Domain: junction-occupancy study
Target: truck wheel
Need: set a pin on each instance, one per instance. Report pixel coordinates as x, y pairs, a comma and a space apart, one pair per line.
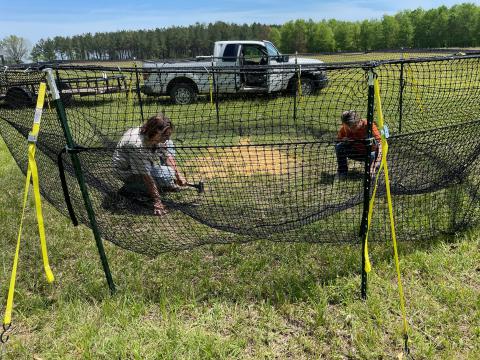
308, 88
18, 97
183, 94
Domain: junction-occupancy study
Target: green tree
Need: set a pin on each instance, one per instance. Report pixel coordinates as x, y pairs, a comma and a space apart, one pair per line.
366, 36
294, 37
44, 50
462, 24
405, 31
421, 29
15, 48
390, 30
344, 36
324, 38
439, 27
274, 36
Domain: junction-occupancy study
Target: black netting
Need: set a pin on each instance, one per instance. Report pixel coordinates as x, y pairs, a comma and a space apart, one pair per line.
257, 145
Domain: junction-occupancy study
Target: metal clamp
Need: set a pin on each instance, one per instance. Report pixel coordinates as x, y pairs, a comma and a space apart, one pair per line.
32, 139
371, 77
385, 132
52, 85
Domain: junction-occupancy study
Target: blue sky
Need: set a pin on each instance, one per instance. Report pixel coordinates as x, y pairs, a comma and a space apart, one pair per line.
34, 20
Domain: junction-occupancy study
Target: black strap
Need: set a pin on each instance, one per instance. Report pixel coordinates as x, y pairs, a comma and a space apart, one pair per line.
63, 180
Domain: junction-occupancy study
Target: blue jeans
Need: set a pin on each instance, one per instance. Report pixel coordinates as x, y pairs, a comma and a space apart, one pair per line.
163, 175
345, 150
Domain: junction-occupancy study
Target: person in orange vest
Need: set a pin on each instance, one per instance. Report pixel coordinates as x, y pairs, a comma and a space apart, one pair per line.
351, 143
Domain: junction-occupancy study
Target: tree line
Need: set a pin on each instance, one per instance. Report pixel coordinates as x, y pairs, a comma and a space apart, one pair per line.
457, 26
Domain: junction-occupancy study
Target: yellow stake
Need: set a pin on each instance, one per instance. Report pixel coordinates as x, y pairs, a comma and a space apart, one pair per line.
384, 167
32, 173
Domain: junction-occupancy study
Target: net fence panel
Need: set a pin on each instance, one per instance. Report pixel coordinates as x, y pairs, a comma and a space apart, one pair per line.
258, 143
423, 95
390, 54
16, 120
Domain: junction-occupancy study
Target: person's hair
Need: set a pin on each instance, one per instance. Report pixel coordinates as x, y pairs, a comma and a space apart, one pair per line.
350, 117
157, 123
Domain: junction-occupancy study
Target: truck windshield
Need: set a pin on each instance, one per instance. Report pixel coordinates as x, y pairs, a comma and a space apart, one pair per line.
272, 50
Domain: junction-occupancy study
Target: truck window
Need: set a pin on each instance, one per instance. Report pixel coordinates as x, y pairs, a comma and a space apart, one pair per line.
254, 55
230, 53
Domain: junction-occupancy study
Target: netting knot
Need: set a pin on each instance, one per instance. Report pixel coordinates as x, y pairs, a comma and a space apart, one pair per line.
4, 335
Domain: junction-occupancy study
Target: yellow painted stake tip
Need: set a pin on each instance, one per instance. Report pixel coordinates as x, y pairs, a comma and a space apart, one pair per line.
49, 274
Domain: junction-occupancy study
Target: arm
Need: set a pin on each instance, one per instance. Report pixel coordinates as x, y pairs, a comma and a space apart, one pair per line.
375, 164
158, 207
342, 134
180, 178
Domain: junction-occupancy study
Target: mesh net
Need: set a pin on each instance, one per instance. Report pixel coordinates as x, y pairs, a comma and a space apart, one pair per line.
258, 146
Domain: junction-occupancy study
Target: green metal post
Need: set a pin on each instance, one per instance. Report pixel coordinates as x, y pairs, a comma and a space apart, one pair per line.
295, 91
80, 178
400, 102
139, 93
215, 88
367, 178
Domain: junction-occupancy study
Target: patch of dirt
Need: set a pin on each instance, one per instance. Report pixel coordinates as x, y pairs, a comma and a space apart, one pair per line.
243, 160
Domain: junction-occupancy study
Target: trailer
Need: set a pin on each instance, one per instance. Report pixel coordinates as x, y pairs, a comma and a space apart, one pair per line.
21, 92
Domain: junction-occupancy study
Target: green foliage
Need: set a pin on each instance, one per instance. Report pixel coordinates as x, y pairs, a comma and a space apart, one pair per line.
441, 27
405, 31
294, 37
15, 48
323, 39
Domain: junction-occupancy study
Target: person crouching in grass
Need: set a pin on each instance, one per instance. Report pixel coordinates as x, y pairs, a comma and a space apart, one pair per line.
145, 158
351, 143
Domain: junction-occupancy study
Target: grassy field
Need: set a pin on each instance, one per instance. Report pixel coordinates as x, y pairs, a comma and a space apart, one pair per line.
257, 300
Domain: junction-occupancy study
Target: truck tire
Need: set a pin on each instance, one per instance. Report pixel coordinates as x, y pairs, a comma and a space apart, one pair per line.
18, 97
183, 94
308, 87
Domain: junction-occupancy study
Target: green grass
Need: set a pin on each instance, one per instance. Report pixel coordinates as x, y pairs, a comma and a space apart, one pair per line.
257, 300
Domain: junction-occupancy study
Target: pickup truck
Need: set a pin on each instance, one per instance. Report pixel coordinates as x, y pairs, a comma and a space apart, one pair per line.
239, 66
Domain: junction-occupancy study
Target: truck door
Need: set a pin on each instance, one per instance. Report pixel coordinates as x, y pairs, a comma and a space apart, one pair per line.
228, 77
253, 72
276, 74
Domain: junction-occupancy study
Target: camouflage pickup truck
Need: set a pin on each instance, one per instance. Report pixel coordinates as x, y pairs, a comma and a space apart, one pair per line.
240, 67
